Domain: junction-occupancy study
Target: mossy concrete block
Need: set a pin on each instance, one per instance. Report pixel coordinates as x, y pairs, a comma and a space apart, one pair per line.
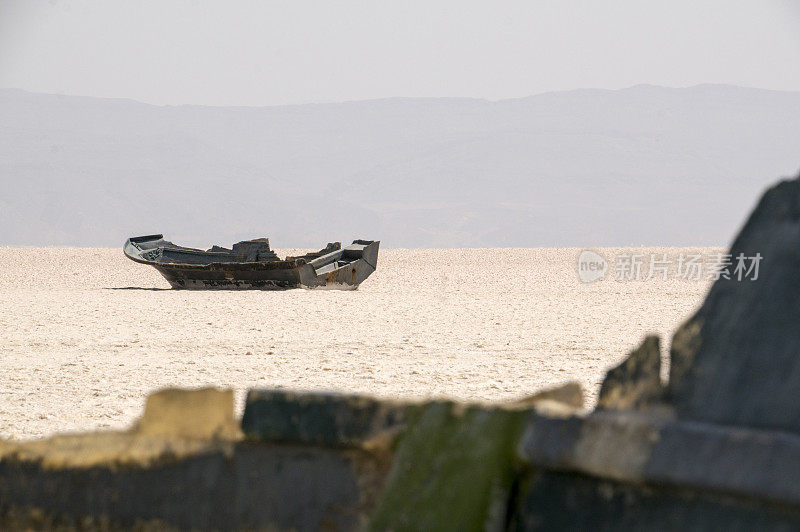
453, 469
327, 419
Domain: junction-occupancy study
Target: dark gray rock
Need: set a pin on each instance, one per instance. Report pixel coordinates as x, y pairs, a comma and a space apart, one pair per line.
737, 360
641, 448
257, 487
611, 444
329, 419
563, 501
714, 458
636, 382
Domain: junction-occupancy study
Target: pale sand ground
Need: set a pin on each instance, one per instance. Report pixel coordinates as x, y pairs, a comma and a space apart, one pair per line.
82, 344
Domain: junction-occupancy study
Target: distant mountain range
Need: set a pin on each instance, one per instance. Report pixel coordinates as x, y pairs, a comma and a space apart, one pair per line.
644, 165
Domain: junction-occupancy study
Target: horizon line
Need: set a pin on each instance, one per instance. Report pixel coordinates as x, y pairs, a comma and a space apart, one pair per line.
400, 98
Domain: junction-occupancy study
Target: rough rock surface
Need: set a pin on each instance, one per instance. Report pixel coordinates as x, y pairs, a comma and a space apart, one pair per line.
263, 487
737, 360
636, 382
569, 394
564, 501
331, 419
176, 424
205, 413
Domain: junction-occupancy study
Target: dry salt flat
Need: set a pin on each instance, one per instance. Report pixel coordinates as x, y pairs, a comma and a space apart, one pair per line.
87, 334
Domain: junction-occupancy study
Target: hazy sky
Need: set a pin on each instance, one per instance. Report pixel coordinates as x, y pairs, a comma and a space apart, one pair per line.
268, 53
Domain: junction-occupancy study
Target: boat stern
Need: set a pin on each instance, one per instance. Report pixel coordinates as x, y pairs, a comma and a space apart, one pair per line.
343, 269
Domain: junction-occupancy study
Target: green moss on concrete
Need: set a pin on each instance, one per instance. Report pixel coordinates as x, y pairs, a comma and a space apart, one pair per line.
453, 470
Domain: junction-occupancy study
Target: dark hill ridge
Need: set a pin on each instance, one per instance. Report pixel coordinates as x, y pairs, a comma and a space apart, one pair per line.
643, 165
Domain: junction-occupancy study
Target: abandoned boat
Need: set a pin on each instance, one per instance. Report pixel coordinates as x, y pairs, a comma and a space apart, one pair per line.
251, 264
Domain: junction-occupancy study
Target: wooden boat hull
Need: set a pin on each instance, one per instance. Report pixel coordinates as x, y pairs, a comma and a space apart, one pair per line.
222, 269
